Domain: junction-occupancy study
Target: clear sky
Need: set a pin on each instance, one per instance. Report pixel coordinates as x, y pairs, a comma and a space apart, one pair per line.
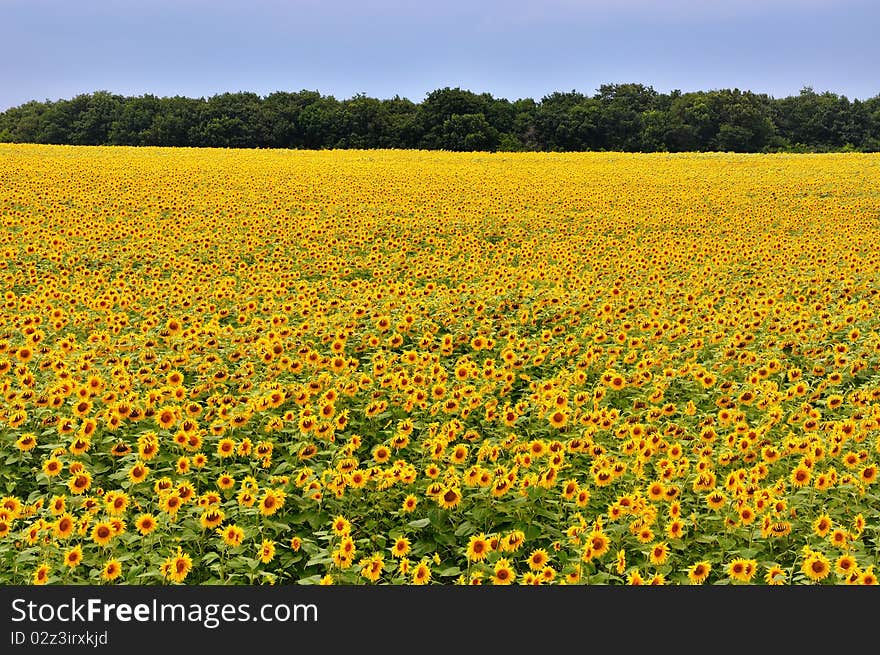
51, 49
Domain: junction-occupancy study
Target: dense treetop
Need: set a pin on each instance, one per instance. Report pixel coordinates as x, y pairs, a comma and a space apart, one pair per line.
620, 117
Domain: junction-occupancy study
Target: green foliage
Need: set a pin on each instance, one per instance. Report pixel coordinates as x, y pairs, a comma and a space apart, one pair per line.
620, 117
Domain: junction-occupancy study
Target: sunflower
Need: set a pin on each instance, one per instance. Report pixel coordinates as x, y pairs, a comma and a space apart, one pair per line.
225, 447
558, 418
176, 567
675, 529
26, 442
775, 575
512, 541
816, 566
822, 525
171, 503
868, 577
716, 500
644, 534
598, 542
421, 574
477, 548
267, 551
41, 574
503, 573
634, 578
449, 497
409, 503
145, 524
80, 482
102, 534
271, 502
741, 569
112, 569
64, 526
800, 476
212, 518
116, 502
657, 580
73, 557
371, 567
401, 547
659, 553
459, 454
138, 472
698, 572
538, 559
839, 538
619, 562
341, 526
845, 565
859, 524
656, 491
52, 467
381, 454
232, 535
166, 417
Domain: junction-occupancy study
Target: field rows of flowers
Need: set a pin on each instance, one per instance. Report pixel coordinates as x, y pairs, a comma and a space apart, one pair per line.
270, 367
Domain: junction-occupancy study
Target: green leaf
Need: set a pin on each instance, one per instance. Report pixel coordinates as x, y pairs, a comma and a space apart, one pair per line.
466, 528
318, 559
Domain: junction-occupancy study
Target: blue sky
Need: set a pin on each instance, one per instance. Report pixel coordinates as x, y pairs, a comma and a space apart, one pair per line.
54, 49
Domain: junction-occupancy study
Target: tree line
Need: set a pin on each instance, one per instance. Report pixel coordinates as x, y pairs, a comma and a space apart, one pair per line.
620, 117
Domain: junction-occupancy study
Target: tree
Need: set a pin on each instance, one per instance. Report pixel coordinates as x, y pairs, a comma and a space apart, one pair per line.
468, 132
133, 121
93, 118
626, 117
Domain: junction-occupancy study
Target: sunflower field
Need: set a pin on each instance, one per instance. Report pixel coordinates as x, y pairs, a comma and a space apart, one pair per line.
410, 367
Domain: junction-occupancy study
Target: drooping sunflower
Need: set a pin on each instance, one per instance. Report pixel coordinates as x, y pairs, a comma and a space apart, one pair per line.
211, 518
